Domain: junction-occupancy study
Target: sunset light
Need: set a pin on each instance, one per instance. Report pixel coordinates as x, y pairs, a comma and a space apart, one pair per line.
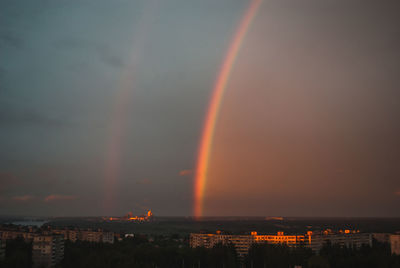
199, 134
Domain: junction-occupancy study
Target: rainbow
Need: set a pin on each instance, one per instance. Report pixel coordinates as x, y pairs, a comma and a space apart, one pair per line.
211, 118
114, 153
120, 112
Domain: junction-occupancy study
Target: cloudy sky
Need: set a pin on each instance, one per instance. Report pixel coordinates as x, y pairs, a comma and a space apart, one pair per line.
102, 104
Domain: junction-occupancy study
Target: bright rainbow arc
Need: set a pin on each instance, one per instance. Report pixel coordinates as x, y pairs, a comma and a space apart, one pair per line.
215, 104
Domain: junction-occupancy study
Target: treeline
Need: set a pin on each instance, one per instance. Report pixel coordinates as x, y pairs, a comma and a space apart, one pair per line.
267, 255
330, 256
379, 255
169, 252
18, 254
136, 252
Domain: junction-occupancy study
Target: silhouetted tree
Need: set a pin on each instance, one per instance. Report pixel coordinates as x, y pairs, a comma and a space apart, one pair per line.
18, 254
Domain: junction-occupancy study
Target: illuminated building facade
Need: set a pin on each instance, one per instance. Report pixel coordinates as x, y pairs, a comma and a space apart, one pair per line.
280, 238
130, 217
243, 243
395, 243
47, 250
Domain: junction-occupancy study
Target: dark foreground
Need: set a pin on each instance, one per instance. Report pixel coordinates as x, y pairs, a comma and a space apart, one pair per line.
164, 243
171, 252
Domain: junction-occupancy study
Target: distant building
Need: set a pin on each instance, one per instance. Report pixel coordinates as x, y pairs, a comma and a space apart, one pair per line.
349, 240
95, 236
47, 250
91, 236
2, 249
381, 237
242, 243
63, 232
11, 234
108, 237
130, 217
280, 238
73, 235
395, 243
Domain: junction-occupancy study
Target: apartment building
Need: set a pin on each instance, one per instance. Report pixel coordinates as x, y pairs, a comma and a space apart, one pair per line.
381, 237
8, 234
349, 240
91, 236
243, 243
73, 235
395, 243
96, 236
47, 250
108, 237
281, 238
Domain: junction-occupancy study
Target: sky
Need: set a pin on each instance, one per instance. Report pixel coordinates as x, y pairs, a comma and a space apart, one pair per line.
102, 105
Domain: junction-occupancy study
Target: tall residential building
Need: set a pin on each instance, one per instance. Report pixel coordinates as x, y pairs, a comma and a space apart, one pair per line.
47, 250
395, 243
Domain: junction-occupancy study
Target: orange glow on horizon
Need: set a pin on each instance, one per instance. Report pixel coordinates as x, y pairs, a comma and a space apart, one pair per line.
214, 107
130, 217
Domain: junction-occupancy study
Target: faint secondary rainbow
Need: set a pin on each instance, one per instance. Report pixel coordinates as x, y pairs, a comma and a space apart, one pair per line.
121, 108
211, 118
